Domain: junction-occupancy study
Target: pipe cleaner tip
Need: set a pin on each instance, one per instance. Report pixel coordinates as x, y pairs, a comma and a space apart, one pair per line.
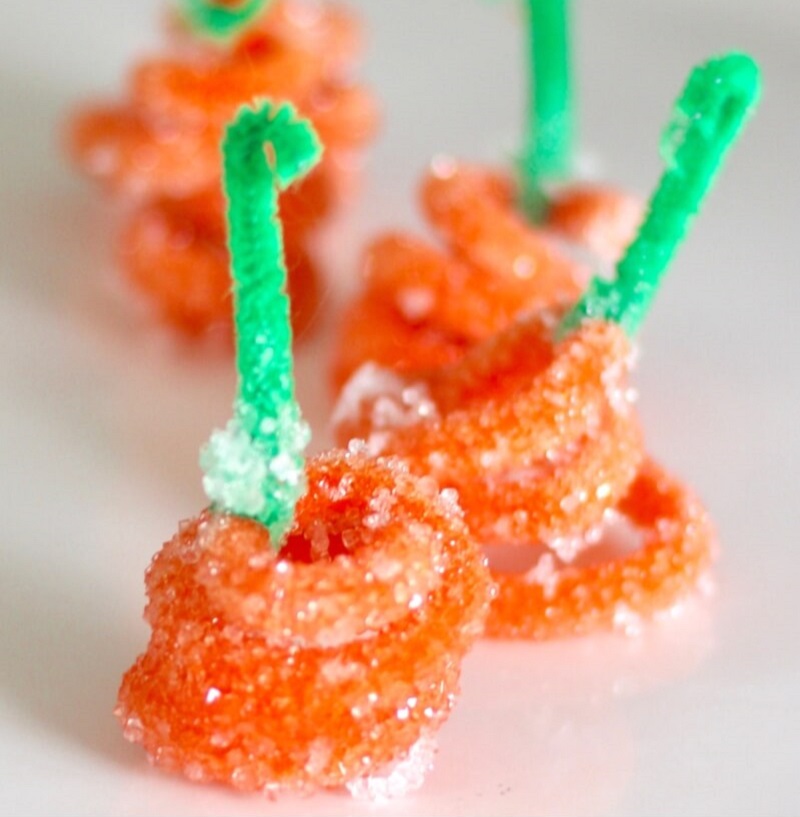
255, 467
716, 102
218, 20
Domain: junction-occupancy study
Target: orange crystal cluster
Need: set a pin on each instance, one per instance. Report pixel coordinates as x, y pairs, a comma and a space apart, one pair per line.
537, 435
159, 148
423, 306
323, 664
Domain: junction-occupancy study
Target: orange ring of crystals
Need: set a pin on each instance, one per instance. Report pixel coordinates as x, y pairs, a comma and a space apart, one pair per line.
554, 419
164, 141
140, 157
349, 675
678, 547
175, 250
330, 30
495, 268
208, 92
161, 148
474, 209
373, 332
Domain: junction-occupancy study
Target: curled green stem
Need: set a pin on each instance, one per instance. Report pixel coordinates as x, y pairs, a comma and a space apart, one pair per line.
255, 467
547, 150
708, 117
222, 21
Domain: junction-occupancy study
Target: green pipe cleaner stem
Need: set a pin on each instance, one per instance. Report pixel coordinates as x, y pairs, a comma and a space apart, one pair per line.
255, 466
708, 117
547, 150
221, 21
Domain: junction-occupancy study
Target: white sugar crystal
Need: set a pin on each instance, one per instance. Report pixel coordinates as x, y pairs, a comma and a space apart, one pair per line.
284, 467
357, 448
571, 502
391, 402
400, 779
319, 755
337, 670
603, 491
133, 729
381, 506
671, 613
415, 302
318, 536
566, 547
345, 485
385, 569
620, 396
194, 771
545, 573
418, 398
626, 620
415, 602
367, 383
449, 498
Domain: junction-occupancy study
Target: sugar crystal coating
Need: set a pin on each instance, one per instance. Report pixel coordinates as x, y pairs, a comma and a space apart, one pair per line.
537, 439
677, 549
160, 148
473, 209
176, 250
423, 306
540, 442
323, 664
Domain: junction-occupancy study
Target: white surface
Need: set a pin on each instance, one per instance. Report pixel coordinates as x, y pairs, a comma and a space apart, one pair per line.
101, 418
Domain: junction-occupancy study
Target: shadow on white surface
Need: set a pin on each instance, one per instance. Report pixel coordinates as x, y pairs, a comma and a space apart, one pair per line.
64, 649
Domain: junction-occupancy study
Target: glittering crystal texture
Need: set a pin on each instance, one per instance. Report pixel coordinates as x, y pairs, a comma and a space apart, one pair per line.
532, 428
158, 148
538, 439
424, 306
323, 664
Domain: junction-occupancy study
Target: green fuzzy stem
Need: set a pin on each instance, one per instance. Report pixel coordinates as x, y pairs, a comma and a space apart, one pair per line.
708, 117
547, 150
221, 21
255, 467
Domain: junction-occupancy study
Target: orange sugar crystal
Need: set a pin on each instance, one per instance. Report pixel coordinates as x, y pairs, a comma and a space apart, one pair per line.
324, 664
176, 250
538, 439
677, 548
373, 332
160, 148
474, 210
541, 444
430, 304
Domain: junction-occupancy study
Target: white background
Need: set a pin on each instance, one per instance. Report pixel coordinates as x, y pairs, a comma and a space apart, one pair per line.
101, 416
